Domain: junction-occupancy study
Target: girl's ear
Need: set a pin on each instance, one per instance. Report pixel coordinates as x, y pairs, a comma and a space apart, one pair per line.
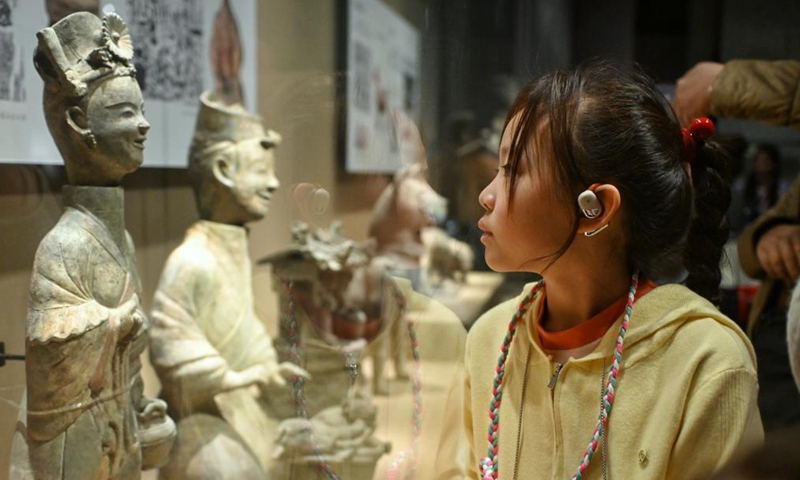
609, 200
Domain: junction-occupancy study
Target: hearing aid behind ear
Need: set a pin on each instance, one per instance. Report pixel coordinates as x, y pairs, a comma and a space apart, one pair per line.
589, 204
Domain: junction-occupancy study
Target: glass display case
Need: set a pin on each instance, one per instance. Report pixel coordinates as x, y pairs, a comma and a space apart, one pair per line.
240, 237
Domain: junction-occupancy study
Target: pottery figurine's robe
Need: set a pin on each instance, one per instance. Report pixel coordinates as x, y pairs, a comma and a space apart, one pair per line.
205, 325
204, 321
85, 330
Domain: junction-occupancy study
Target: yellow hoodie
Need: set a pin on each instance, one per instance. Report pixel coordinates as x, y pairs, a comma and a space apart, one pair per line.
685, 398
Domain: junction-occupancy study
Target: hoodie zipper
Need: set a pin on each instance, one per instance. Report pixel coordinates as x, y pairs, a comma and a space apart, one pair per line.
553, 379
552, 385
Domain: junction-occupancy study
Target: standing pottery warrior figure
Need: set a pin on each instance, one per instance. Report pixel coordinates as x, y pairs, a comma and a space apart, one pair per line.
209, 348
86, 416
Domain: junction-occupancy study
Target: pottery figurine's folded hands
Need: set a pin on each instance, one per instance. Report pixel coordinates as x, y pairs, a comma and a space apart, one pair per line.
128, 317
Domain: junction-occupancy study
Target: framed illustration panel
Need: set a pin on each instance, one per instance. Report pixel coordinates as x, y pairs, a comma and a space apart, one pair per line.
382, 99
172, 40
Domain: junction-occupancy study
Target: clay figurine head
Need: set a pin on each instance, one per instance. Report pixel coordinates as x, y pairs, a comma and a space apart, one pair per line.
92, 102
232, 163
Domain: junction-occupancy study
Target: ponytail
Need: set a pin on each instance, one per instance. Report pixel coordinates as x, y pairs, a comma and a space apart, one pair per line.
710, 227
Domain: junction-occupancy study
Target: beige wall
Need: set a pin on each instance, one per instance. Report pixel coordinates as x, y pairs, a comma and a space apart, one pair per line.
297, 85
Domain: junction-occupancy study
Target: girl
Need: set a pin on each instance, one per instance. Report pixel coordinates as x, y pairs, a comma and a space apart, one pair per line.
602, 193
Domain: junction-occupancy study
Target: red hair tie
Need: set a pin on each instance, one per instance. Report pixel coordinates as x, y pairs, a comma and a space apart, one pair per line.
700, 130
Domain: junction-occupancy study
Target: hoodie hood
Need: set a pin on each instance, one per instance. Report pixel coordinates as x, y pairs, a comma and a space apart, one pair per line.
686, 394
654, 320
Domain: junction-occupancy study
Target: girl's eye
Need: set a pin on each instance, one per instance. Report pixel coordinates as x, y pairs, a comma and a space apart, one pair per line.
128, 114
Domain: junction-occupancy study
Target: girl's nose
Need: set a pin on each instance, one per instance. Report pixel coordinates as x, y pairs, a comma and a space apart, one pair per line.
486, 199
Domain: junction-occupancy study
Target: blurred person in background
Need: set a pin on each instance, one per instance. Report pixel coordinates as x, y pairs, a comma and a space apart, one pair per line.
746, 89
763, 186
769, 247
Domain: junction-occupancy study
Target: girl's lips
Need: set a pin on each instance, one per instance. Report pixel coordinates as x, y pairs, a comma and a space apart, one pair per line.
486, 233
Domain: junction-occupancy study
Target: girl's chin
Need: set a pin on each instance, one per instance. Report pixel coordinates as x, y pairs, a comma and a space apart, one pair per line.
496, 264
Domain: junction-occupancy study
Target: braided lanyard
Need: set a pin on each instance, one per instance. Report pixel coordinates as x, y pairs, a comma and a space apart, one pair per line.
291, 331
489, 464
407, 459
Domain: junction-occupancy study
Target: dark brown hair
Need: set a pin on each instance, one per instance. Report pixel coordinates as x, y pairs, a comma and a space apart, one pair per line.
607, 123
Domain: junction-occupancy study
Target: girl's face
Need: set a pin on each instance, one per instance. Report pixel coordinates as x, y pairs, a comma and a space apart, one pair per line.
520, 232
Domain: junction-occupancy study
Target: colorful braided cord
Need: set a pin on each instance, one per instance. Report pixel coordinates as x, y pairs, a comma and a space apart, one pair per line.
291, 332
408, 458
608, 395
489, 464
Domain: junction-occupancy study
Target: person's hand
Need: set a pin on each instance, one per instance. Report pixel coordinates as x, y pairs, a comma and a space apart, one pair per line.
693, 92
778, 252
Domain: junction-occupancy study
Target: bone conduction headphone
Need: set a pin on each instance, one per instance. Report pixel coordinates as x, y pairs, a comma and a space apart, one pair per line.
589, 204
